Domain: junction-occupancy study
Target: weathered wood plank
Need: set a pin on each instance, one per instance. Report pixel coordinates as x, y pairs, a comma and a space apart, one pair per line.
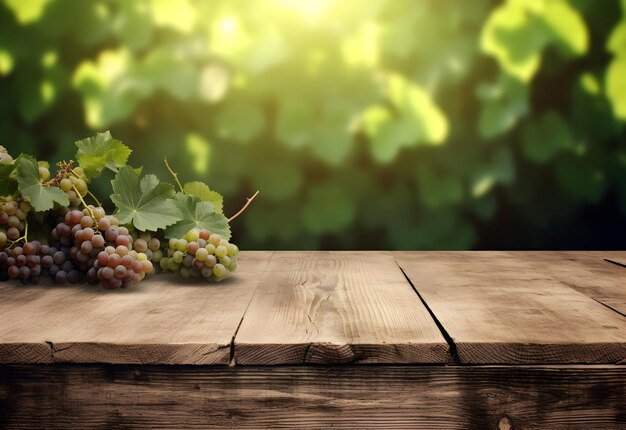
585, 271
164, 320
498, 308
421, 397
337, 307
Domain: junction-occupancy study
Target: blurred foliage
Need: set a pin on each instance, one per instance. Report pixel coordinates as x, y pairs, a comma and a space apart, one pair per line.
379, 124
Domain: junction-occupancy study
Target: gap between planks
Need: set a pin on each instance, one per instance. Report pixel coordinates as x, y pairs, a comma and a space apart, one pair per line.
232, 361
451, 345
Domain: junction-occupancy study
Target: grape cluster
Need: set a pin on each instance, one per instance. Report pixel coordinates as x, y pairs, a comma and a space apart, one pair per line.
74, 185
98, 250
13, 215
119, 267
149, 244
200, 254
23, 262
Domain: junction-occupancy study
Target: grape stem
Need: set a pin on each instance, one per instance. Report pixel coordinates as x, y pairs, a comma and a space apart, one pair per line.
24, 238
88, 192
249, 200
93, 217
174, 175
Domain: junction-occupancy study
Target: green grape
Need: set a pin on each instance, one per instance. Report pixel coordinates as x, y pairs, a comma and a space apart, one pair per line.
65, 184
192, 235
44, 173
25, 206
157, 256
79, 172
221, 251
210, 261
185, 272
182, 245
219, 270
178, 257
215, 239
173, 265
202, 254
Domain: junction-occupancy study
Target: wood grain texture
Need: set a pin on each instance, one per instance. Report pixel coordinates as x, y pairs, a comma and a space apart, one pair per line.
164, 320
417, 397
498, 308
337, 307
588, 272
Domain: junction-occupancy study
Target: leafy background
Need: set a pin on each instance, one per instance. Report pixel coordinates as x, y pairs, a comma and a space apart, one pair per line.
365, 124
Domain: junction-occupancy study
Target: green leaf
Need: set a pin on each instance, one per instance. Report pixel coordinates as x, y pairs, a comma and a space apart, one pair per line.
177, 14
240, 122
416, 105
616, 86
544, 138
147, 204
293, 125
517, 32
566, 27
196, 213
200, 151
332, 144
332, 140
515, 39
205, 194
437, 189
8, 185
328, 210
617, 41
40, 197
101, 151
505, 102
27, 11
418, 120
278, 179
387, 135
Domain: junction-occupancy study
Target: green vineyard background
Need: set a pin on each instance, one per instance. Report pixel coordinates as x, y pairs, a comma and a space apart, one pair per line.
365, 124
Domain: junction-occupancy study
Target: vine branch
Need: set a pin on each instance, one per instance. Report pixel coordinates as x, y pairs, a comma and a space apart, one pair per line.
174, 175
249, 200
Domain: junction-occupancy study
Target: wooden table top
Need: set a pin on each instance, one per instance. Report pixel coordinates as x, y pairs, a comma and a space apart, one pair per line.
331, 307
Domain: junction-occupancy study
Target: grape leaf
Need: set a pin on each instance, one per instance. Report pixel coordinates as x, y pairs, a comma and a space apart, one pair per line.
29, 183
204, 193
148, 203
545, 137
196, 213
7, 184
100, 151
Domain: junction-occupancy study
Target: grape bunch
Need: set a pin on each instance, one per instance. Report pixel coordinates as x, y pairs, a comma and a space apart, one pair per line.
22, 262
200, 254
97, 249
119, 267
48, 230
73, 182
13, 215
150, 244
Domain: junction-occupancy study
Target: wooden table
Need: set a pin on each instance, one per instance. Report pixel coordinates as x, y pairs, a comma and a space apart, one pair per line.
502, 340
